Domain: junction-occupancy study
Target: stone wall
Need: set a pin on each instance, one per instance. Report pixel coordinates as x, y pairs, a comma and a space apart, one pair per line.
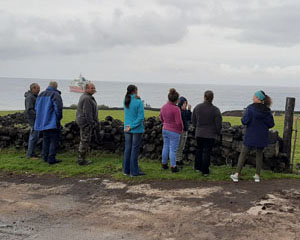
110, 137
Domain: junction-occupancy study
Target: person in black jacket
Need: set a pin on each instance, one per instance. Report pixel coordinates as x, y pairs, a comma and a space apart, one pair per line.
258, 118
87, 120
207, 119
186, 116
30, 99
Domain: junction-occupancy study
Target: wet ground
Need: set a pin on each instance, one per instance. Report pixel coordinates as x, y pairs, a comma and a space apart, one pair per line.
47, 207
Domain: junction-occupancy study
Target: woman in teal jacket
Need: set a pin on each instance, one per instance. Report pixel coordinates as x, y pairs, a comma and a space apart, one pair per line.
134, 129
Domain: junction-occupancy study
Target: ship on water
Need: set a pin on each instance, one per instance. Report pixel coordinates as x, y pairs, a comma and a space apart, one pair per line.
78, 85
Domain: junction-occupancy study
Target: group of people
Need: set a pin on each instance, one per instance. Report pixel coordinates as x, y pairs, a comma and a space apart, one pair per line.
176, 117
44, 113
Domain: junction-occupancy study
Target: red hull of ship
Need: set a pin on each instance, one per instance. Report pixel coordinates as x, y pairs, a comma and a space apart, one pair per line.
76, 89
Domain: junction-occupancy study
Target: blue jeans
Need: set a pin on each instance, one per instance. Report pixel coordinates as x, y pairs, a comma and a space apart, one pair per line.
50, 144
33, 139
171, 142
131, 153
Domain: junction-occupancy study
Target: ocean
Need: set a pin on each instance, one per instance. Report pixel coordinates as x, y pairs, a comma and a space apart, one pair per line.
227, 97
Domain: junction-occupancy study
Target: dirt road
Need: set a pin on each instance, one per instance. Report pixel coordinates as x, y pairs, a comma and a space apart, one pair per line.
52, 208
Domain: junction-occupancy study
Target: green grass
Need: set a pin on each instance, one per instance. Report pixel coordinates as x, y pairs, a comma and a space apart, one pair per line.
279, 122
70, 114
3, 113
111, 165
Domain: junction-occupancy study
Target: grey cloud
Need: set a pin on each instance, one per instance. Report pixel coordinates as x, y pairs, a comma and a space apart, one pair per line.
277, 26
260, 21
187, 4
149, 29
30, 35
274, 25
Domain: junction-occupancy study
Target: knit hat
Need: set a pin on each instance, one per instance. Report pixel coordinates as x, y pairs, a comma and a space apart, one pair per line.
181, 101
260, 95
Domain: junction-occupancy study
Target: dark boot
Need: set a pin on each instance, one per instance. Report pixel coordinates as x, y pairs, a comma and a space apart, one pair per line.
81, 158
165, 166
84, 163
174, 169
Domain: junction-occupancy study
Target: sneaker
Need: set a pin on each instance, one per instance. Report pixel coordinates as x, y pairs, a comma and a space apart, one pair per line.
174, 169
234, 178
256, 178
126, 174
165, 166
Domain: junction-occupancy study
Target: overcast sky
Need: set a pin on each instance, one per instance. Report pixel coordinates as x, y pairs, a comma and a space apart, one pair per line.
253, 42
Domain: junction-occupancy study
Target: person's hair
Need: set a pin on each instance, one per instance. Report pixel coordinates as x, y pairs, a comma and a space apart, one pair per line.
53, 84
33, 85
173, 95
208, 96
130, 90
267, 101
87, 85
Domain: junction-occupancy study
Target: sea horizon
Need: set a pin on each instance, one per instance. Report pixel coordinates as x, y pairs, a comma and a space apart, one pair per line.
150, 82
227, 97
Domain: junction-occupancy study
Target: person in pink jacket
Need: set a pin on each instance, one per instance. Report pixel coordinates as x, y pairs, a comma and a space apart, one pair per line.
170, 116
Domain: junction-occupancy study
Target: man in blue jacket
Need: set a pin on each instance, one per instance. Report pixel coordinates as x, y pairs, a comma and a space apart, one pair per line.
49, 108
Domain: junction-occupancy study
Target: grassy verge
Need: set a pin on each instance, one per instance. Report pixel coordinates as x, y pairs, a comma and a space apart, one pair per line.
111, 165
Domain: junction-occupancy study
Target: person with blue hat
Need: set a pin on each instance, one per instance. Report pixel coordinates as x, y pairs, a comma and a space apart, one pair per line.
186, 116
258, 119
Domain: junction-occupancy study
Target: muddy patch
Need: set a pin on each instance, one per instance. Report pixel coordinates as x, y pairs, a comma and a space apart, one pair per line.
171, 194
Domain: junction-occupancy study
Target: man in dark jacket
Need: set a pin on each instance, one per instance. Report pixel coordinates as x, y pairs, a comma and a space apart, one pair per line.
49, 108
87, 120
186, 116
30, 99
208, 122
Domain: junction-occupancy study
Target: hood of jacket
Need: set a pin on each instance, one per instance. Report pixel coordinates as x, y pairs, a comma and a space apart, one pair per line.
29, 93
259, 110
53, 89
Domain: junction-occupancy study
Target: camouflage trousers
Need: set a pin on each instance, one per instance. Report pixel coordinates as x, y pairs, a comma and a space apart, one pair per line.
181, 146
85, 140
